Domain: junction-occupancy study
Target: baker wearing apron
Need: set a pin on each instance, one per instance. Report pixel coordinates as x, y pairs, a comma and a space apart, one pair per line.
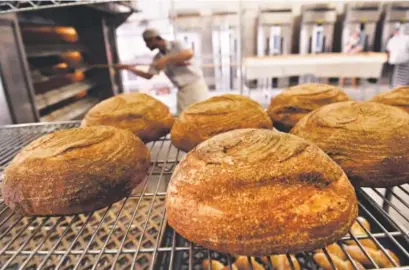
179, 67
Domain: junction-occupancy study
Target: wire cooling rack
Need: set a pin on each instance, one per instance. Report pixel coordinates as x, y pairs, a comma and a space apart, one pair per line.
133, 233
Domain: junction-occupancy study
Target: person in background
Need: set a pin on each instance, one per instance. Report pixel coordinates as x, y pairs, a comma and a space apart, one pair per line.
178, 64
398, 55
356, 44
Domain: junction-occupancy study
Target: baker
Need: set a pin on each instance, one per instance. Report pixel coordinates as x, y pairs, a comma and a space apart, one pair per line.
178, 64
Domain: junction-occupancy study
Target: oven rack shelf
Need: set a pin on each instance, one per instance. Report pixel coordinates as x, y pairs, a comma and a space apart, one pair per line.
72, 111
133, 233
54, 96
30, 5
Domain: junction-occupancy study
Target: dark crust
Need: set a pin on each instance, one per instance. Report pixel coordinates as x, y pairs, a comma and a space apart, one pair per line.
258, 192
287, 108
147, 117
216, 115
368, 140
75, 171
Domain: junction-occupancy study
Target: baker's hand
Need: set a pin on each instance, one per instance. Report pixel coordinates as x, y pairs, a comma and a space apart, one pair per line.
160, 64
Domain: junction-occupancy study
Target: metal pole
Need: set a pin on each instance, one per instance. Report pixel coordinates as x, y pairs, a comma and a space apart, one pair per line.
241, 48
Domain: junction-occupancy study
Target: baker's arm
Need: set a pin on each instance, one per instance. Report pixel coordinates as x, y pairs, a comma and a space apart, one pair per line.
136, 71
175, 58
180, 57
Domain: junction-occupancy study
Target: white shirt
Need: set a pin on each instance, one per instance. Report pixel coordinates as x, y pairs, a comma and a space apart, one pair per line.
180, 75
398, 47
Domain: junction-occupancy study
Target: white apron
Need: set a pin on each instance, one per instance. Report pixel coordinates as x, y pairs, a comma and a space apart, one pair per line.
191, 93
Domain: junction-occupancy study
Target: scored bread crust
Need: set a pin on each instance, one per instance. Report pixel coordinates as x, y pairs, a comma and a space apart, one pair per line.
74, 171
368, 140
202, 120
147, 117
397, 97
292, 104
258, 192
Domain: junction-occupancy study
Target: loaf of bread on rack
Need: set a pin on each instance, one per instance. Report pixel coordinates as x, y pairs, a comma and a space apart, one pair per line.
215, 115
74, 171
258, 192
245, 263
356, 255
384, 259
368, 140
358, 229
356, 252
281, 262
215, 265
292, 104
398, 97
140, 113
330, 262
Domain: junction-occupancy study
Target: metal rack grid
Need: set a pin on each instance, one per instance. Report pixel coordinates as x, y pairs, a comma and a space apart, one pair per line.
133, 233
28, 5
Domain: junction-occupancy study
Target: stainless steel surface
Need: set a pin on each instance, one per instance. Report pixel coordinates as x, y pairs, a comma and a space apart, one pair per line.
396, 13
321, 16
276, 18
363, 12
5, 116
317, 34
14, 72
350, 27
367, 14
274, 37
226, 46
133, 233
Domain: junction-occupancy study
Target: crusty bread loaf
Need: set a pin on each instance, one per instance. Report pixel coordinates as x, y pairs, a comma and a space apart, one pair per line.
242, 263
281, 262
258, 192
287, 108
74, 171
334, 249
398, 97
322, 260
218, 114
357, 230
379, 256
215, 265
142, 114
368, 140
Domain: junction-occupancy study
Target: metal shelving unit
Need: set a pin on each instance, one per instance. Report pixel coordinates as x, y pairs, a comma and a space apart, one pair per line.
64, 92
72, 111
28, 5
133, 233
39, 36
50, 50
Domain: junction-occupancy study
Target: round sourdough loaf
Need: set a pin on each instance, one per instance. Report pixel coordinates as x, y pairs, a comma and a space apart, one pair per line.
218, 114
74, 171
258, 192
140, 113
368, 140
292, 104
398, 97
